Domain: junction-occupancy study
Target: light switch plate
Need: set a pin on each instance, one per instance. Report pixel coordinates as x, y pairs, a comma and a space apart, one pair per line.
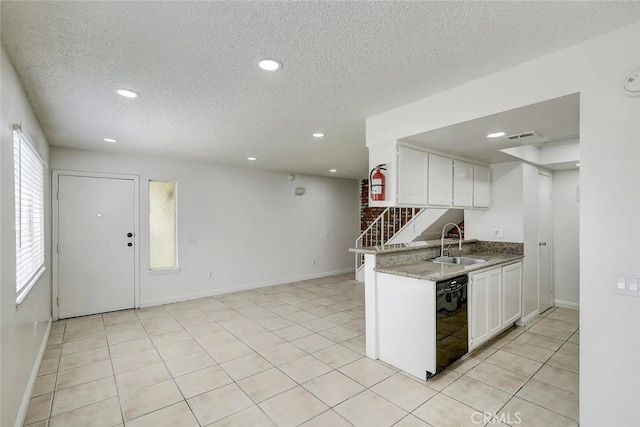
627, 285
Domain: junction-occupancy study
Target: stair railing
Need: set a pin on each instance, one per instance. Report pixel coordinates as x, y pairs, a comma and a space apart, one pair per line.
383, 228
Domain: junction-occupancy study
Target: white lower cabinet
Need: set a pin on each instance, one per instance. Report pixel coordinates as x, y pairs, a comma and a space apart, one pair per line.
496, 296
486, 319
512, 294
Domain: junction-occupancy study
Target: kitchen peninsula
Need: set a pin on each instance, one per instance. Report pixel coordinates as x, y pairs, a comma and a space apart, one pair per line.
416, 309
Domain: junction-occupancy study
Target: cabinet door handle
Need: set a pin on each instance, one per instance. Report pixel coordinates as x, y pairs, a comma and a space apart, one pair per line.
542, 244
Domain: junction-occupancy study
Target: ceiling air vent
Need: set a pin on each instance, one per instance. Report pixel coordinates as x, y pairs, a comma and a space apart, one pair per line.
525, 136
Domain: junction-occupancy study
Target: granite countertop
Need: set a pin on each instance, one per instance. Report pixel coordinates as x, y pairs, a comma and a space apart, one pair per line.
401, 247
429, 270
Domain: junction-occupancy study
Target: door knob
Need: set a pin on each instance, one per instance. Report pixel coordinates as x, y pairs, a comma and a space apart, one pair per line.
542, 244
129, 244
129, 234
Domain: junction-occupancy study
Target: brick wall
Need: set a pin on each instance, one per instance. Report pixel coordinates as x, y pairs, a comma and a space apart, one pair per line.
367, 214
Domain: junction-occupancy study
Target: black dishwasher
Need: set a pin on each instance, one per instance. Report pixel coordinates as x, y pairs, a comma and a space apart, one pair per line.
452, 331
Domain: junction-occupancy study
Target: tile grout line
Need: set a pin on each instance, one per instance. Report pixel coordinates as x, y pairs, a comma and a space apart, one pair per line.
489, 385
53, 395
56, 385
257, 320
301, 385
277, 367
184, 399
234, 381
183, 328
530, 378
114, 377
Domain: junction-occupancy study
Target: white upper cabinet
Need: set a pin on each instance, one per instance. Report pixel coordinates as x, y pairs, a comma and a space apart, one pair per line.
462, 183
481, 186
412, 176
415, 177
440, 180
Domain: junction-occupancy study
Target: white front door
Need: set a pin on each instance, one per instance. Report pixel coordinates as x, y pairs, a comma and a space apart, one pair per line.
545, 242
96, 259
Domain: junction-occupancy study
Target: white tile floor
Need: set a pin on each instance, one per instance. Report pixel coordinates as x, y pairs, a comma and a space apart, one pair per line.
291, 355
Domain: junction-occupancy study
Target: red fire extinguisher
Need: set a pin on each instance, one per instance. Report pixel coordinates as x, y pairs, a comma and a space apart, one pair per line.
376, 182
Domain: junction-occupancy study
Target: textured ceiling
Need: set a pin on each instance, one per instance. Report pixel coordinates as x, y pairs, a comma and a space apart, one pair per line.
203, 96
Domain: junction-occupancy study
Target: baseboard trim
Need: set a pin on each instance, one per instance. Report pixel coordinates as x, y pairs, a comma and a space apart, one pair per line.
26, 398
526, 320
566, 304
181, 298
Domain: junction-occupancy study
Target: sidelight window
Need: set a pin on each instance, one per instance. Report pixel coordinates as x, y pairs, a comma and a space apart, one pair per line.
163, 253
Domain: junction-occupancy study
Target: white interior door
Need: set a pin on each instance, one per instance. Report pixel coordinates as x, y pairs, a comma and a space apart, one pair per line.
96, 259
545, 242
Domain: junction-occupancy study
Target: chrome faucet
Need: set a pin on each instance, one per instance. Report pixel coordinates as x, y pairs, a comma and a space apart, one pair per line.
442, 238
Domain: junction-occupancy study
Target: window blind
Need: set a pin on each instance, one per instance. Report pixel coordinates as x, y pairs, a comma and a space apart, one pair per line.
29, 205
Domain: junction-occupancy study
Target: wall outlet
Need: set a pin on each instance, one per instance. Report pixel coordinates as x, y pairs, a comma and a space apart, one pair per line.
313, 261
498, 232
210, 274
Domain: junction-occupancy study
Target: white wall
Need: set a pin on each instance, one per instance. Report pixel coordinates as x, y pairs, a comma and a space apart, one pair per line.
560, 152
19, 345
566, 237
506, 207
609, 151
514, 209
551, 153
249, 227
530, 197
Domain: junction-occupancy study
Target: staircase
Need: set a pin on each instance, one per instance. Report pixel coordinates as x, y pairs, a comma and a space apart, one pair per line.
401, 225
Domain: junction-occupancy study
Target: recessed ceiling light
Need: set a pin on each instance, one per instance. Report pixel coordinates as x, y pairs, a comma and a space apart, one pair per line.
333, 170
496, 135
318, 135
251, 158
127, 93
578, 165
110, 140
270, 64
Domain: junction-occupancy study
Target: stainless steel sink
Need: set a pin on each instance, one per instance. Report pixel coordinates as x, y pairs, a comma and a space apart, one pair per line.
458, 260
